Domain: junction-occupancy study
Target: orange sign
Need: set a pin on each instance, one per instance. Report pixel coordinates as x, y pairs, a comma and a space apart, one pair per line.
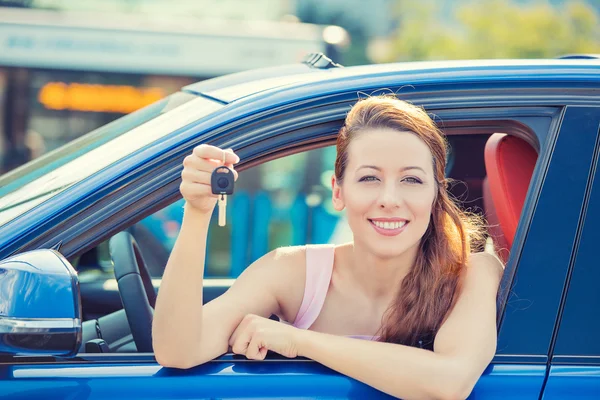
97, 98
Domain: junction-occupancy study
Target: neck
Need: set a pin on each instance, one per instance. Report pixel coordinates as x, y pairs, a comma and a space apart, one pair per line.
379, 278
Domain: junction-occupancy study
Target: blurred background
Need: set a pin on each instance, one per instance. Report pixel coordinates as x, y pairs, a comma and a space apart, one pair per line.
68, 67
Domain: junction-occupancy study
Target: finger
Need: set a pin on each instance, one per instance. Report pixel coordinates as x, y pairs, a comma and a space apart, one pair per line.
235, 174
211, 152
234, 336
196, 176
240, 346
256, 349
203, 164
230, 150
243, 331
239, 330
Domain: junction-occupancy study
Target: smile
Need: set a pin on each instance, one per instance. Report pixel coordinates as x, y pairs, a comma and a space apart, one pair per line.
389, 228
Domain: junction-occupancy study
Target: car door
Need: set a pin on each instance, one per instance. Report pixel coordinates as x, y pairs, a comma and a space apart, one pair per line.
575, 350
528, 318
535, 274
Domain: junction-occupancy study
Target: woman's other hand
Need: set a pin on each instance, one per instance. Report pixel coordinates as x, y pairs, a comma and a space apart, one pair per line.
256, 335
197, 170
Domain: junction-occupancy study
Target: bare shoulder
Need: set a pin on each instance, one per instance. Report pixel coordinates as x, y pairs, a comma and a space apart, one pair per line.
484, 268
277, 262
283, 271
283, 261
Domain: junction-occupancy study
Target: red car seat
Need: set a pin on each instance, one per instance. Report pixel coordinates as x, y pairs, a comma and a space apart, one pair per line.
509, 164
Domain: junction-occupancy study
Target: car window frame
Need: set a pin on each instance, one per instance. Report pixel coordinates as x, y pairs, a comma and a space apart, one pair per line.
480, 120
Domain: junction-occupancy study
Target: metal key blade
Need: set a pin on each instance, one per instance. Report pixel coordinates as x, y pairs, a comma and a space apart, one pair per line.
222, 209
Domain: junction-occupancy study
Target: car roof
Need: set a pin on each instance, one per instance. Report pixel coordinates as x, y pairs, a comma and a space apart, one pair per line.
233, 87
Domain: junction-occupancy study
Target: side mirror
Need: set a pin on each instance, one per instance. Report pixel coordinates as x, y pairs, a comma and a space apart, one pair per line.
40, 309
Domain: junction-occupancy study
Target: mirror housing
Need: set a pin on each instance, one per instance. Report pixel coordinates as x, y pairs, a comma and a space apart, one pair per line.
40, 307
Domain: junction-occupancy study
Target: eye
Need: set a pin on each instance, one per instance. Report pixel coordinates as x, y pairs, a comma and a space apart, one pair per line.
368, 178
413, 180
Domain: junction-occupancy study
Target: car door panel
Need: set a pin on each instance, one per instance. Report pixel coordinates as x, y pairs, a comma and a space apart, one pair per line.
576, 353
520, 367
580, 381
218, 379
515, 381
524, 336
238, 378
541, 267
229, 378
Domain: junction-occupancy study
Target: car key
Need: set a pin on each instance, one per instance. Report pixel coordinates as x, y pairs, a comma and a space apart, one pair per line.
221, 183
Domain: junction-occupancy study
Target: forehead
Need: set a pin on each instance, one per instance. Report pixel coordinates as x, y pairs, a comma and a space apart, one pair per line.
389, 148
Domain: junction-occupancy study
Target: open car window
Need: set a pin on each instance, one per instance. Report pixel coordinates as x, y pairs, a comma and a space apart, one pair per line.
287, 201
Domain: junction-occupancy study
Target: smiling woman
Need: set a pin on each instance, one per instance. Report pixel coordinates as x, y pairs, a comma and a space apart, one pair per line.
392, 160
407, 282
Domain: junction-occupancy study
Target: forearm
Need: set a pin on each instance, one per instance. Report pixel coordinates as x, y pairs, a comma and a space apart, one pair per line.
181, 290
401, 371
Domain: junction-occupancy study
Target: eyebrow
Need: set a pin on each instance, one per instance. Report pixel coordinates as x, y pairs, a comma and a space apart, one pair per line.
401, 169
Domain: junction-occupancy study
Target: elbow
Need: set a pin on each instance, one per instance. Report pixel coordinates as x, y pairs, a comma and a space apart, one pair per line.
170, 357
456, 389
168, 352
174, 363
454, 394
170, 360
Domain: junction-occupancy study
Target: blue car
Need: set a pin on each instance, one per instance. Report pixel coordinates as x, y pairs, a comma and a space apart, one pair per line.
85, 231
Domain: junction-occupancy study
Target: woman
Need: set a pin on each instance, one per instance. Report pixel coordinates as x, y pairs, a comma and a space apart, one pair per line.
408, 283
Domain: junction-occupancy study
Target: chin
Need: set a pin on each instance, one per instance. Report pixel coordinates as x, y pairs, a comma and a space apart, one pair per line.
388, 248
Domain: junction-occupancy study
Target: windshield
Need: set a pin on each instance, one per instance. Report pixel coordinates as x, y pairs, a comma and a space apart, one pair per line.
42, 178
35, 168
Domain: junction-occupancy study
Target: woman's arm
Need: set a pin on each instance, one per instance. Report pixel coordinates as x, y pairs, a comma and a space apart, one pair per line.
184, 332
464, 346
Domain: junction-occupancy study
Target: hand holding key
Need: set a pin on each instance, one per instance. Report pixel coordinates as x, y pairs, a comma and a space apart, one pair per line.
197, 172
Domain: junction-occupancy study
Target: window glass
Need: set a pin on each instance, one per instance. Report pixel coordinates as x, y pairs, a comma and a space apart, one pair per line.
64, 105
37, 181
90, 141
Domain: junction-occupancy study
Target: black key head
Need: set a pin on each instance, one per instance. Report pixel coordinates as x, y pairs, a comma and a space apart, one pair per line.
222, 180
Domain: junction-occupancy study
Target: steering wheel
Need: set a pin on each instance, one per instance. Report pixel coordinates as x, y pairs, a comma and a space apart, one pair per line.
135, 288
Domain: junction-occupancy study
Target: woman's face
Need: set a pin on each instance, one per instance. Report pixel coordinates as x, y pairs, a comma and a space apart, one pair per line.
387, 190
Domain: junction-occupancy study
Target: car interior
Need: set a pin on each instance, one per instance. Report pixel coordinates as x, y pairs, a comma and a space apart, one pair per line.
491, 174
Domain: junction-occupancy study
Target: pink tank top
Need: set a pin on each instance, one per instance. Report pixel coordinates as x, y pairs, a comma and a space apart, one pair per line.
319, 267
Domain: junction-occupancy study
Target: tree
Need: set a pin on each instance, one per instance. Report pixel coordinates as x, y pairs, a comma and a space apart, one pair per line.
494, 29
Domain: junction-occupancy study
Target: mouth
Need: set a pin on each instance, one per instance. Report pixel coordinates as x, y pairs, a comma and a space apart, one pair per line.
389, 227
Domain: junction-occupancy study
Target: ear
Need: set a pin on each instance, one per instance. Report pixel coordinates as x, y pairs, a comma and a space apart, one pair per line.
336, 195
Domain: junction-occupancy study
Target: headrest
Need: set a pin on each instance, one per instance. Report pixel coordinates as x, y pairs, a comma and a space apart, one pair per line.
509, 162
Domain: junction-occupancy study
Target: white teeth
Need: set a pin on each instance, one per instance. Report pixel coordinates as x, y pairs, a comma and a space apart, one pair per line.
389, 225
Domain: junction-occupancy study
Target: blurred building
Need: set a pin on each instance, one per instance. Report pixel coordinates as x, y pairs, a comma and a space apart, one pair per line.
66, 73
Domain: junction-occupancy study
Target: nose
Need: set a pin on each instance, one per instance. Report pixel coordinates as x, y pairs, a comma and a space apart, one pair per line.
390, 196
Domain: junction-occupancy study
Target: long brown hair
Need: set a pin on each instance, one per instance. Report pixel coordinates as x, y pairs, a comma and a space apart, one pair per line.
430, 289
